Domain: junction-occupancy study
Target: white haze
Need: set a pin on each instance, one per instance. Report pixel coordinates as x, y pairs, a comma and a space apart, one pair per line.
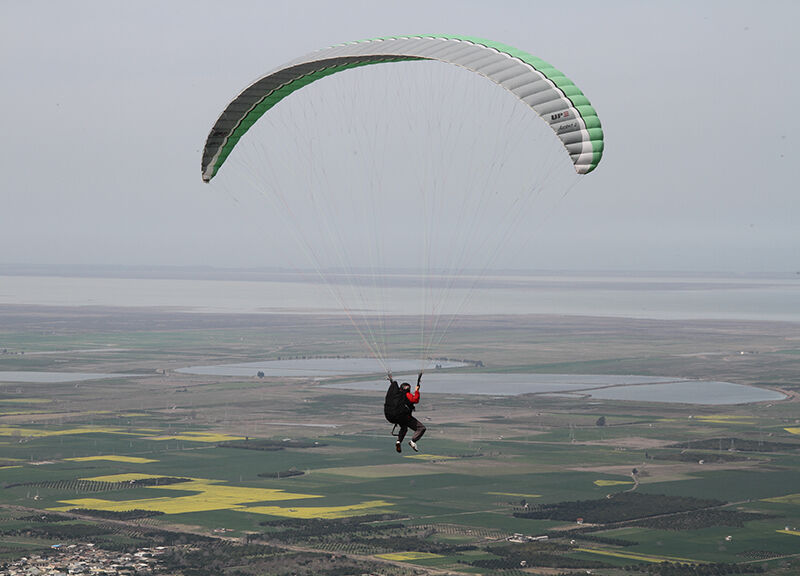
106, 106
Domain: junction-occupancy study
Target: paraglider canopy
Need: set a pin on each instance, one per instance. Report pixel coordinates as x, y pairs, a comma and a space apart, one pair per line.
547, 91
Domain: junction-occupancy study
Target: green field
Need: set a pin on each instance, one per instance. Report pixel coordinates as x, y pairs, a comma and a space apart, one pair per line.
152, 442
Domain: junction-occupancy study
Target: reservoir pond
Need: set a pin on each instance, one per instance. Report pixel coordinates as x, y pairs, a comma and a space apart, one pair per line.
443, 381
600, 387
315, 367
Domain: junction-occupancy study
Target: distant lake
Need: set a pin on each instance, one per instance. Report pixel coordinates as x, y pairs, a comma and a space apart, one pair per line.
313, 367
636, 296
602, 387
690, 392
54, 377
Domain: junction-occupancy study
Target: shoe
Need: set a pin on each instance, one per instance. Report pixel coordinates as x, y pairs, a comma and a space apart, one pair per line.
398, 446
413, 445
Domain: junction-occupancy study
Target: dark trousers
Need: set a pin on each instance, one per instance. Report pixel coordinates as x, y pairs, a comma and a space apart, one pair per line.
410, 422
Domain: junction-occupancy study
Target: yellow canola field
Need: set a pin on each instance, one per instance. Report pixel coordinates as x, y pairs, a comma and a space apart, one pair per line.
635, 556
788, 499
113, 458
39, 433
725, 419
191, 436
430, 457
165, 504
793, 430
611, 482
327, 512
209, 495
199, 437
123, 477
25, 400
792, 532
215, 495
407, 556
514, 494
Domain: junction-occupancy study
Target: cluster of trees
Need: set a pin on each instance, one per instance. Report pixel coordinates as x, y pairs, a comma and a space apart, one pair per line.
302, 527
114, 515
160, 481
539, 554
621, 507
62, 528
373, 534
354, 530
282, 474
71, 485
75, 485
268, 445
541, 560
697, 519
213, 558
740, 444
675, 569
151, 537
759, 554
707, 457
46, 517
598, 539
60, 531
418, 543
248, 559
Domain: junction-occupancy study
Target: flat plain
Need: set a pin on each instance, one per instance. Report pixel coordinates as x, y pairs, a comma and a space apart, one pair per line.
311, 472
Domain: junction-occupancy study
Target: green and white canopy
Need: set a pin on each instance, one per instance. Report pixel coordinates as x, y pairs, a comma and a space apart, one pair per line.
547, 91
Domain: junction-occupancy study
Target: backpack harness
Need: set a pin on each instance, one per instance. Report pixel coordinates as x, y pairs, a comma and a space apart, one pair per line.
395, 405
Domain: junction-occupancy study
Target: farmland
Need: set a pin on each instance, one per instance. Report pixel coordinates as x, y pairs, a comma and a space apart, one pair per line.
278, 473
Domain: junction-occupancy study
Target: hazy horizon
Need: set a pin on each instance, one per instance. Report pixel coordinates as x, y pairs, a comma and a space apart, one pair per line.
109, 105
245, 272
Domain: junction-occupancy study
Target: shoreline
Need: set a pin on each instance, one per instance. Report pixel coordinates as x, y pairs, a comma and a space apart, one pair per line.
733, 299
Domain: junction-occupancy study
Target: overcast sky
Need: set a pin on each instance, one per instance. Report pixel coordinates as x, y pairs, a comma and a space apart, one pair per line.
106, 105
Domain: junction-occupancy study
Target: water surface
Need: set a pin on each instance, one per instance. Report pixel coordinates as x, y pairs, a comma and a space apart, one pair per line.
314, 367
599, 386
690, 392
